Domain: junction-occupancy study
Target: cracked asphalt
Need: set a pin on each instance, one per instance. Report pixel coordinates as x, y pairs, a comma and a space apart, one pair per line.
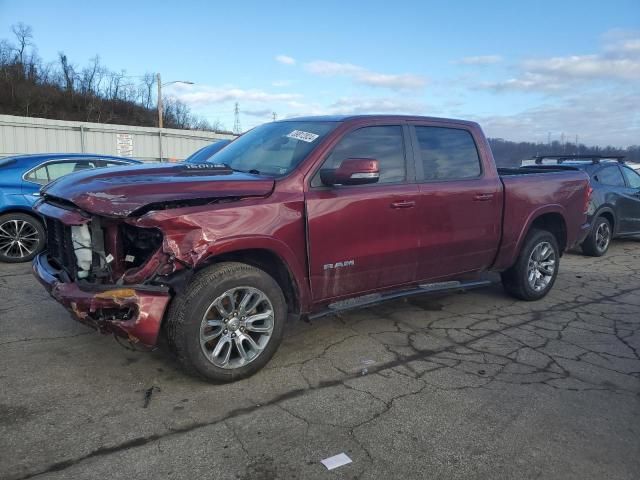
472, 385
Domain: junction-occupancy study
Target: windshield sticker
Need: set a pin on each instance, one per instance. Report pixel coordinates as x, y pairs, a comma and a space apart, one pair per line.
302, 135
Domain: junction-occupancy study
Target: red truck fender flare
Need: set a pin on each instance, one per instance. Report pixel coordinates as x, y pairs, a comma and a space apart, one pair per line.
510, 251
231, 245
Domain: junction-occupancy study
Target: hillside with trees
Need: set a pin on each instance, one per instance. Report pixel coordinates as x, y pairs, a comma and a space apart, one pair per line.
61, 90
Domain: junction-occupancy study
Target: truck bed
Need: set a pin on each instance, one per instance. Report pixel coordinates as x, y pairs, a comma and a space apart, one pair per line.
527, 196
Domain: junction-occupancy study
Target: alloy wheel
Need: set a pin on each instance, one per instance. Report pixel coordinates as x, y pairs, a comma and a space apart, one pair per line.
542, 266
237, 327
18, 239
603, 236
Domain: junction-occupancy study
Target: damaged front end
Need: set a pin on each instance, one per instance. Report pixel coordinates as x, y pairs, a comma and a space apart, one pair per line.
102, 270
121, 243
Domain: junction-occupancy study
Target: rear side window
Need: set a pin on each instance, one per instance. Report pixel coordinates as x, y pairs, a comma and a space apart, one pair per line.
447, 153
633, 179
609, 176
384, 144
39, 175
51, 171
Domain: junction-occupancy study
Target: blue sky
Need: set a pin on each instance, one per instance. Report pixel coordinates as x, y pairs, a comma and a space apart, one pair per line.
522, 69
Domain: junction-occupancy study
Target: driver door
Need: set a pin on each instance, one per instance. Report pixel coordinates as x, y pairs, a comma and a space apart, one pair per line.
363, 238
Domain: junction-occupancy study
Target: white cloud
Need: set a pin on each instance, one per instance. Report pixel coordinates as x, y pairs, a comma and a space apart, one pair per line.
527, 81
617, 62
595, 121
262, 113
285, 59
363, 76
359, 106
586, 67
481, 60
199, 95
281, 83
351, 105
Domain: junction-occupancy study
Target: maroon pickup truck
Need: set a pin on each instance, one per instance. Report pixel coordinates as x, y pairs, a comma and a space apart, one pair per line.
301, 217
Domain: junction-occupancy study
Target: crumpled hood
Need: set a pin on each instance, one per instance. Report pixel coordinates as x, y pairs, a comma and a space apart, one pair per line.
119, 191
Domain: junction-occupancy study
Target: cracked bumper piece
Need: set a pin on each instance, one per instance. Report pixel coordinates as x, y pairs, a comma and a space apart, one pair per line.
134, 311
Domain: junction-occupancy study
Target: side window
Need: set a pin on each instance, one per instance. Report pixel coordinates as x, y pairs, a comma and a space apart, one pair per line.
384, 144
447, 153
114, 164
610, 176
633, 179
39, 175
59, 169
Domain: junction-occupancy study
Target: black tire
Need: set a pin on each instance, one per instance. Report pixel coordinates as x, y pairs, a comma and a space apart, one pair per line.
29, 230
594, 245
516, 279
186, 316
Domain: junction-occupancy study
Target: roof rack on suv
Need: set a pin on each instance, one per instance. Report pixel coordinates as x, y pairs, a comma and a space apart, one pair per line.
595, 158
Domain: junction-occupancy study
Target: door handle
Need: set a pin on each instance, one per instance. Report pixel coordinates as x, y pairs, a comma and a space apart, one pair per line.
403, 204
483, 197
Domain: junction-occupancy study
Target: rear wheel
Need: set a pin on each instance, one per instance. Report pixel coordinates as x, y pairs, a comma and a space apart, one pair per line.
598, 241
22, 237
228, 323
536, 268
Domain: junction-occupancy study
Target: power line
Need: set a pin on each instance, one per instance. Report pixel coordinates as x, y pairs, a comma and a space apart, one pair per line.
236, 124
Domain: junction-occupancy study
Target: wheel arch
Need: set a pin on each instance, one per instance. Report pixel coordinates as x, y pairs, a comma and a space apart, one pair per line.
609, 214
270, 262
24, 211
553, 222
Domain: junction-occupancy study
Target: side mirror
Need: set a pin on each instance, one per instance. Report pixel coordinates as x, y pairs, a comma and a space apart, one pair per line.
352, 171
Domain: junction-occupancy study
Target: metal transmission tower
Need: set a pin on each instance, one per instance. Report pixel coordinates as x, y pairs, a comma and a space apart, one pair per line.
237, 129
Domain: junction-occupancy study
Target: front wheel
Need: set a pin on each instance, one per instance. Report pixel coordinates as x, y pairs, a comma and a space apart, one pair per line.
228, 323
22, 237
598, 241
536, 268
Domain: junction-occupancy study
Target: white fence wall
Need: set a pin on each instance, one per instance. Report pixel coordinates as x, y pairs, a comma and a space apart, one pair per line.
22, 135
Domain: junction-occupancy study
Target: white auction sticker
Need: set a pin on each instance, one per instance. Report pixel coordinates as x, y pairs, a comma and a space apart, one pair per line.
302, 135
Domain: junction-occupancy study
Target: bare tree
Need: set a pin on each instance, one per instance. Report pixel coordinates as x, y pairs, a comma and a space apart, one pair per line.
24, 36
68, 72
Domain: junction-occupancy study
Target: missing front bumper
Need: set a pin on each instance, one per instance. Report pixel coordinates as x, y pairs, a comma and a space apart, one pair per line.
132, 311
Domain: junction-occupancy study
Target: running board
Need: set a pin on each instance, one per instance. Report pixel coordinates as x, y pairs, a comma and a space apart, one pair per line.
374, 298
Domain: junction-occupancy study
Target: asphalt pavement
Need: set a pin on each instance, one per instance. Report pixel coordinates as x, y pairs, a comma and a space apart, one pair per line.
470, 385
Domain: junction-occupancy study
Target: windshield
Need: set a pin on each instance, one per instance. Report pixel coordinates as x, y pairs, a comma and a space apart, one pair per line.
273, 148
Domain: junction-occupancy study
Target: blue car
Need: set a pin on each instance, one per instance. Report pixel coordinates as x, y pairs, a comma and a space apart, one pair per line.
22, 233
205, 153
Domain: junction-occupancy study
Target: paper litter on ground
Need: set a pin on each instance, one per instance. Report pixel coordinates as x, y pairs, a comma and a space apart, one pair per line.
336, 461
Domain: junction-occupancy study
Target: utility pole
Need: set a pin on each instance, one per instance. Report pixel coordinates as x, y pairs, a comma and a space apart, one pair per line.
236, 124
159, 100
160, 85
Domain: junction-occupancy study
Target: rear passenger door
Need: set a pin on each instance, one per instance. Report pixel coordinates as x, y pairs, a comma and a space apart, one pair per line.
363, 237
611, 183
459, 211
630, 204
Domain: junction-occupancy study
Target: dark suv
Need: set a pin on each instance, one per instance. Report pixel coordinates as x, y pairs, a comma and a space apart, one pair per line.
614, 210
